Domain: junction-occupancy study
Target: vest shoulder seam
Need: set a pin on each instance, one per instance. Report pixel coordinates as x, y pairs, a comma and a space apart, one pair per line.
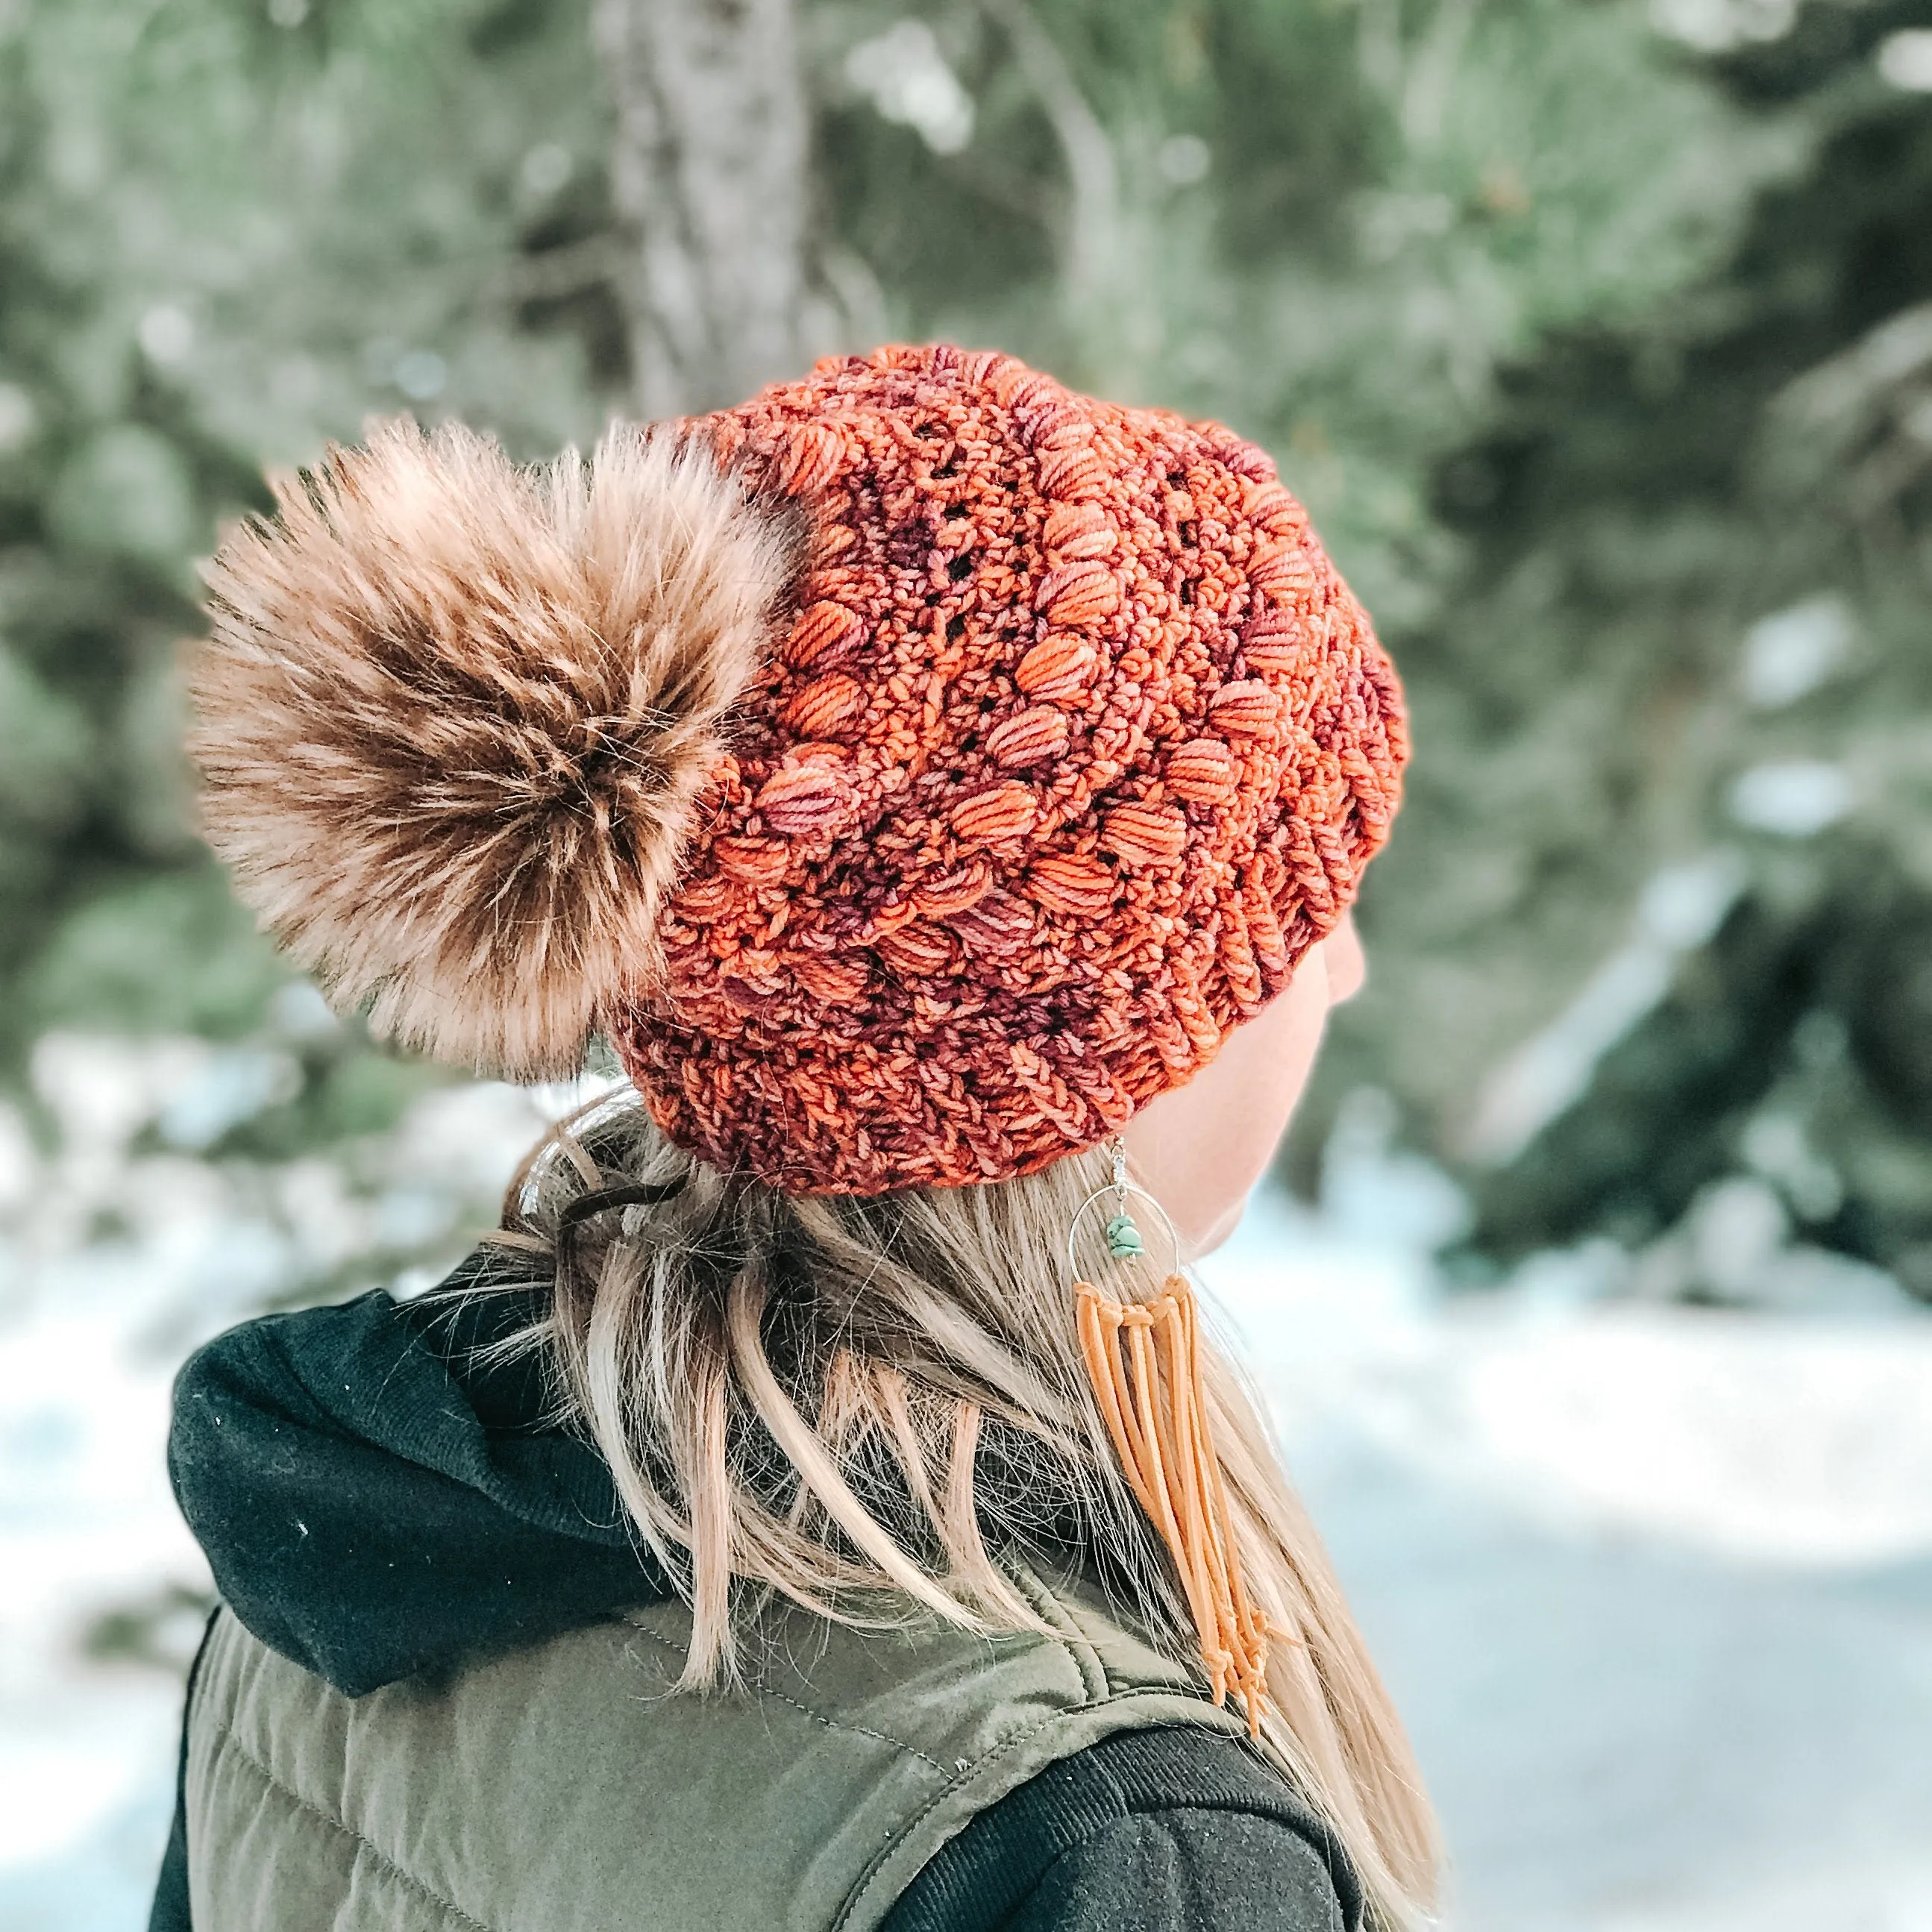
855, 1897
226, 1737
759, 1689
858, 1730
1096, 1681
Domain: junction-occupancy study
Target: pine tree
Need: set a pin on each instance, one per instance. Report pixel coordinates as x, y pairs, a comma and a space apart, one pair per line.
1351, 228
1684, 683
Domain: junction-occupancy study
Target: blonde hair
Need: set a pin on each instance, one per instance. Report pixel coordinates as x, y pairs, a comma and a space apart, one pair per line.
859, 1403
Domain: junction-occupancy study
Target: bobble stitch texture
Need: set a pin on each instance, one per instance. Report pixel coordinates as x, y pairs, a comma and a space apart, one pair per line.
1075, 743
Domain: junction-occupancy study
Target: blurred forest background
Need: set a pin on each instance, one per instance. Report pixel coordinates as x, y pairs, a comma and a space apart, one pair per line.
1597, 337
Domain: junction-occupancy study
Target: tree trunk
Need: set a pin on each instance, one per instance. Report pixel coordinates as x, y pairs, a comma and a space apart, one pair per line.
708, 178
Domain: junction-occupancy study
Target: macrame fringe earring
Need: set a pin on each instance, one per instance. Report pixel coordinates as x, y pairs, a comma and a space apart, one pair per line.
1144, 1361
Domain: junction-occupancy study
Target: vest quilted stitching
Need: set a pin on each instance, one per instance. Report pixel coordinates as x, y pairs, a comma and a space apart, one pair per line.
569, 1788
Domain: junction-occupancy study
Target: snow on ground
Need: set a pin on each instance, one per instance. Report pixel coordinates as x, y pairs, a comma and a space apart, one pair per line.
119, 1254
1652, 1584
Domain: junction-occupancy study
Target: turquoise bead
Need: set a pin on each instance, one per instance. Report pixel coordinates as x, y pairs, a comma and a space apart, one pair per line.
1124, 1238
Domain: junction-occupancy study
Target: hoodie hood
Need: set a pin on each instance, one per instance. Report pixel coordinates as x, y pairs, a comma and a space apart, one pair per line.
377, 1502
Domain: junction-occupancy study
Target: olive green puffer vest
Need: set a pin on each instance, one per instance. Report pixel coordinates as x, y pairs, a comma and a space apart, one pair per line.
567, 1788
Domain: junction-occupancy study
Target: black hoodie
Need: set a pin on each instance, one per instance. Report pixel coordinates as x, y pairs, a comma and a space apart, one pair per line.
376, 1504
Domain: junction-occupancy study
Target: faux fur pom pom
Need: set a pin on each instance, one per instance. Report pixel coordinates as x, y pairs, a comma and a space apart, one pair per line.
453, 718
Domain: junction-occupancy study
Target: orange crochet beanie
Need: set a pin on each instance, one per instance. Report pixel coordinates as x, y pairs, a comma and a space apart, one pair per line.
912, 770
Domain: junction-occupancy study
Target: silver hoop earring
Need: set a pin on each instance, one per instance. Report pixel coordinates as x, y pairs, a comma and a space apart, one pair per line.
1123, 1236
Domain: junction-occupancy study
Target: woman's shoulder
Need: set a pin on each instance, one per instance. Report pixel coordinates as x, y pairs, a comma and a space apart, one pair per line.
1180, 1829
926, 1779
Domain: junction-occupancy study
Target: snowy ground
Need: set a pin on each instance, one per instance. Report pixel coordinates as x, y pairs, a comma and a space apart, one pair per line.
1653, 1586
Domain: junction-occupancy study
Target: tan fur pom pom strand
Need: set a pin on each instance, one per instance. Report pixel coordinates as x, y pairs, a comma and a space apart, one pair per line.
454, 717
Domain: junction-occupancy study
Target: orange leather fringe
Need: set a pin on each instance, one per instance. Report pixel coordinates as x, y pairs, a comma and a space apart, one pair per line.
1145, 1363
